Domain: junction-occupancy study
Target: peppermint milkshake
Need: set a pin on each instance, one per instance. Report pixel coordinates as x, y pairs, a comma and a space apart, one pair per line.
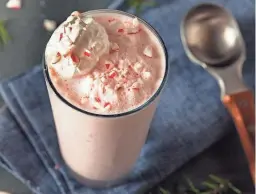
104, 71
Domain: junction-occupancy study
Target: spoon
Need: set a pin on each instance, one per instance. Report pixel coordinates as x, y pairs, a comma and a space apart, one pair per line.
212, 39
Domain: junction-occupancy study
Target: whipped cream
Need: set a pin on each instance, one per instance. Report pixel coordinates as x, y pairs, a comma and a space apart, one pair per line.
79, 44
105, 64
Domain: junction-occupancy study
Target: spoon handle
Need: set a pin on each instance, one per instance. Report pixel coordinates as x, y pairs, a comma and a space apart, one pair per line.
241, 107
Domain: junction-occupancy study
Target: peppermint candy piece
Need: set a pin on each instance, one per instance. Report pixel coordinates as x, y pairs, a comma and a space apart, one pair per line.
75, 58
96, 74
110, 95
120, 30
146, 75
85, 86
112, 75
61, 36
107, 106
87, 53
14, 4
114, 46
109, 65
135, 22
148, 51
134, 28
103, 80
137, 67
96, 105
65, 70
133, 31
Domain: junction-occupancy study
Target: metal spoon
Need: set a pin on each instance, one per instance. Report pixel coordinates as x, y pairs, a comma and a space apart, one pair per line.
212, 39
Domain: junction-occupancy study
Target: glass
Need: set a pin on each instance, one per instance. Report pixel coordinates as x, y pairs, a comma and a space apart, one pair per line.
100, 150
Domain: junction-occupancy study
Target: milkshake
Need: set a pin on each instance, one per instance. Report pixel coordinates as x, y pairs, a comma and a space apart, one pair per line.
104, 71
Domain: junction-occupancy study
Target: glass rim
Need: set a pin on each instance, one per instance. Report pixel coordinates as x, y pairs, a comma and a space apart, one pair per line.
129, 112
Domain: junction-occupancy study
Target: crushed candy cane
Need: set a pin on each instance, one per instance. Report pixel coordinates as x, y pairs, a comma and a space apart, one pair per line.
75, 58
148, 51
137, 67
120, 30
61, 36
108, 69
146, 75
87, 53
114, 46
134, 27
107, 65
112, 75
135, 22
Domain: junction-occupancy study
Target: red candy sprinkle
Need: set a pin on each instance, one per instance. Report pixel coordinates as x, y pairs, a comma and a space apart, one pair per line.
87, 54
70, 28
111, 20
120, 30
107, 65
75, 58
137, 89
97, 99
112, 75
106, 104
61, 36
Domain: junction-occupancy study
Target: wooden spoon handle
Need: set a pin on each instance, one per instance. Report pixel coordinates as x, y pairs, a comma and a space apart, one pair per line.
241, 107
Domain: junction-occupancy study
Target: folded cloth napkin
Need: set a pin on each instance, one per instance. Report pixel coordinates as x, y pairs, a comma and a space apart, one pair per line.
190, 116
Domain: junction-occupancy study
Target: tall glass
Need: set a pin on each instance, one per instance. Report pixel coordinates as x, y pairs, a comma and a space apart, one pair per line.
101, 150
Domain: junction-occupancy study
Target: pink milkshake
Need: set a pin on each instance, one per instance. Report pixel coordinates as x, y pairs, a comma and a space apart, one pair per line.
104, 71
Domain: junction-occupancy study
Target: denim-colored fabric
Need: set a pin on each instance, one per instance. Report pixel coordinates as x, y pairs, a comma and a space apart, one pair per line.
190, 116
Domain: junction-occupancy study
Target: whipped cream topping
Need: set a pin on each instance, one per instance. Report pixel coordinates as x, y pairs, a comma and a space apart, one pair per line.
105, 64
79, 44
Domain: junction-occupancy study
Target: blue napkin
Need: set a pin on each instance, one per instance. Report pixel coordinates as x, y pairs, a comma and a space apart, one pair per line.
189, 118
